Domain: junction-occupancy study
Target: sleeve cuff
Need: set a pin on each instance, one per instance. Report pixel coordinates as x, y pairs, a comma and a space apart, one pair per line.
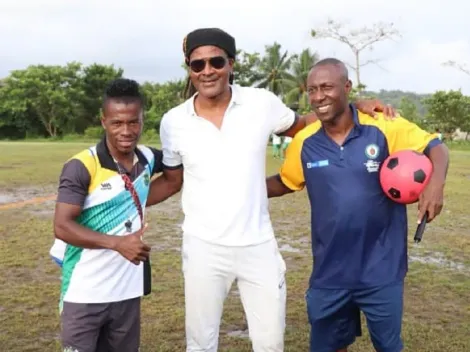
431, 144
289, 184
294, 119
175, 167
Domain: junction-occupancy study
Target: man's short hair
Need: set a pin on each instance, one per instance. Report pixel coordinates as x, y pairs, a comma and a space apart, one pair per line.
334, 62
123, 90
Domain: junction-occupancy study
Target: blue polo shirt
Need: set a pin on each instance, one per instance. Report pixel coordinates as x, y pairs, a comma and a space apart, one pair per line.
359, 236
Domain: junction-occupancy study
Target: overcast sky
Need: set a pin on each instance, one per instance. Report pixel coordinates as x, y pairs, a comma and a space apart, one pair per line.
144, 37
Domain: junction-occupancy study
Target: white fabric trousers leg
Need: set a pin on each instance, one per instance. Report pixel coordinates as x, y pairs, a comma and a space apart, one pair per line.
209, 271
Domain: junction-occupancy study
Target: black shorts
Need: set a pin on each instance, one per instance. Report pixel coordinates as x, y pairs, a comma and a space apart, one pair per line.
101, 327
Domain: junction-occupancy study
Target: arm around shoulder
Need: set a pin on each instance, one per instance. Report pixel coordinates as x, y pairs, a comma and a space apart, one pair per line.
275, 187
290, 177
165, 185
171, 180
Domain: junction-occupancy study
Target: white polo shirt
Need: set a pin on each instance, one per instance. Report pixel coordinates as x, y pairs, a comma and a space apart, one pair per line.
224, 195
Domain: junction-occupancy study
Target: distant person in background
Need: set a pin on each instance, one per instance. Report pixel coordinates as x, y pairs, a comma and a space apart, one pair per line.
276, 145
359, 236
285, 143
216, 141
439, 134
99, 217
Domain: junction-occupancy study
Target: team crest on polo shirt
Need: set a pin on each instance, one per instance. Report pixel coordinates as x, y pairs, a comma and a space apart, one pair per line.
372, 151
146, 179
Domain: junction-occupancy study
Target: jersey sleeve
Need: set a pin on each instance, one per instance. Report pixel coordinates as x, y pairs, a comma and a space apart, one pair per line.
291, 173
74, 182
171, 157
158, 160
402, 134
281, 116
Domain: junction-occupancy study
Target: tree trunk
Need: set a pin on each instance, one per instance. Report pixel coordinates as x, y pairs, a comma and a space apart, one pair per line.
358, 75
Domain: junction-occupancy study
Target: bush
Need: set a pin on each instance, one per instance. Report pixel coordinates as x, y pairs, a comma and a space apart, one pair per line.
95, 132
150, 137
458, 145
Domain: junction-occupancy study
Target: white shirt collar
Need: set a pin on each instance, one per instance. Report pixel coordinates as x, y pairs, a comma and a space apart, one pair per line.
235, 99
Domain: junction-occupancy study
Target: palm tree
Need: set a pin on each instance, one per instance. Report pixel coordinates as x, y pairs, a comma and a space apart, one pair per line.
296, 87
274, 69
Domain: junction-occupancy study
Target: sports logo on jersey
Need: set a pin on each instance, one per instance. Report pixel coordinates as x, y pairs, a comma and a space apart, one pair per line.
146, 179
372, 151
372, 166
320, 163
106, 186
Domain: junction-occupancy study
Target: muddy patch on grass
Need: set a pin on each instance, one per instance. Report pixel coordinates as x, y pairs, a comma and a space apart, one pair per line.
46, 212
26, 195
288, 248
6, 198
169, 209
239, 333
22, 274
49, 336
439, 260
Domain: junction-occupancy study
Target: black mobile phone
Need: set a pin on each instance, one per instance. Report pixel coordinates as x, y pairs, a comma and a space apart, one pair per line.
421, 227
147, 277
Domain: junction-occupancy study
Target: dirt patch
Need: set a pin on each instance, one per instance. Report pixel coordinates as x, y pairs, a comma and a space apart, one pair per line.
19, 197
50, 336
239, 333
5, 198
439, 260
47, 212
288, 248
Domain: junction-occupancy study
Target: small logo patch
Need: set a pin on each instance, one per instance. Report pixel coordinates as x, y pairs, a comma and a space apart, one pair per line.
320, 163
106, 186
146, 179
372, 166
372, 151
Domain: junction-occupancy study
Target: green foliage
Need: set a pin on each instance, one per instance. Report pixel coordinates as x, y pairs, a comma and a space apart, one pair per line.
463, 145
65, 101
150, 137
245, 68
409, 111
448, 111
394, 97
159, 99
94, 132
53, 100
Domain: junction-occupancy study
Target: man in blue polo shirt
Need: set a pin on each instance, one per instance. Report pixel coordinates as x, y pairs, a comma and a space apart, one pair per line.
359, 236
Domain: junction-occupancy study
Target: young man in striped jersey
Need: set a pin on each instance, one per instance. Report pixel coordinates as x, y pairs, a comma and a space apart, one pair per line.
99, 214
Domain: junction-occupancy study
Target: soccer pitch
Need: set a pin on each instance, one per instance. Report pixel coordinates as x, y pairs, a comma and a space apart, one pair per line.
437, 293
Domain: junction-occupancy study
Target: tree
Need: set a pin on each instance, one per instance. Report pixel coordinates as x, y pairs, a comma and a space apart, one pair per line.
245, 68
409, 111
358, 40
296, 88
448, 111
159, 99
52, 94
461, 67
274, 69
94, 79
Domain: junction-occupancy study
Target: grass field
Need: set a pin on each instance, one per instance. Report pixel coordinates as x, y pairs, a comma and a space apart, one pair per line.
437, 302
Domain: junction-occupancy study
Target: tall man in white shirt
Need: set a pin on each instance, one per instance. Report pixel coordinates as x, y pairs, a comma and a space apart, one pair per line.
227, 232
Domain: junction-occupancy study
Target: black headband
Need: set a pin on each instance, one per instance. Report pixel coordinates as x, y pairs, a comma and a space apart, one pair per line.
209, 36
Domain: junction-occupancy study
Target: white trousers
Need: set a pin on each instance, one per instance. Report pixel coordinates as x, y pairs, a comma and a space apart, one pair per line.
209, 271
